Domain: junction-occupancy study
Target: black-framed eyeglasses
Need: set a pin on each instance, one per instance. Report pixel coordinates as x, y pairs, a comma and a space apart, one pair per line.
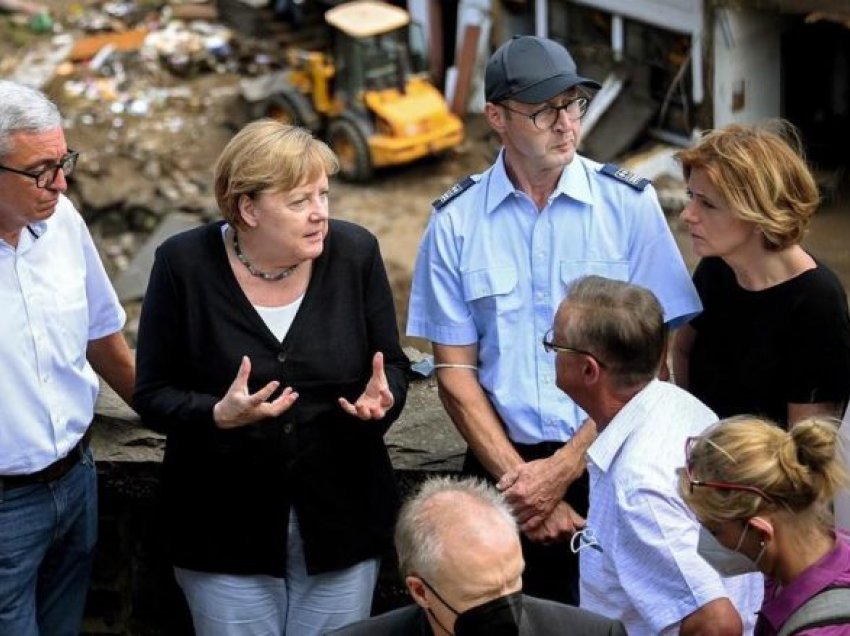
547, 117
551, 346
720, 485
44, 178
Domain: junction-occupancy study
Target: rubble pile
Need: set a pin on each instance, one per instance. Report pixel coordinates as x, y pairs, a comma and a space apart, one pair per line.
149, 92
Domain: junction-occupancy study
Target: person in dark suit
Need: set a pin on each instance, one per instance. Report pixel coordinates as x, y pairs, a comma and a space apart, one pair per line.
459, 554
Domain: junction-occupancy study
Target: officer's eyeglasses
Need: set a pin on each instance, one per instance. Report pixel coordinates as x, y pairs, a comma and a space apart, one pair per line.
547, 117
45, 177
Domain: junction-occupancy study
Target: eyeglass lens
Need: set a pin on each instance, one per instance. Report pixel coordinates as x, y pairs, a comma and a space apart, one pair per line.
546, 118
48, 175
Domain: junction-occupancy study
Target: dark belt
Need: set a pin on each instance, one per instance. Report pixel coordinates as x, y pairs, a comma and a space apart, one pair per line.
54, 471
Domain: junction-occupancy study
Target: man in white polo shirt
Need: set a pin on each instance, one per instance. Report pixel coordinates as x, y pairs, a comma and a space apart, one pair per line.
61, 322
639, 555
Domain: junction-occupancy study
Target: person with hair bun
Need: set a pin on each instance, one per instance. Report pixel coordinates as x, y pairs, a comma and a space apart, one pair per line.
764, 494
774, 335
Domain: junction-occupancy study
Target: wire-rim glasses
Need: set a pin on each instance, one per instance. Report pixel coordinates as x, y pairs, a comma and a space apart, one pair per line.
44, 178
550, 346
719, 485
547, 117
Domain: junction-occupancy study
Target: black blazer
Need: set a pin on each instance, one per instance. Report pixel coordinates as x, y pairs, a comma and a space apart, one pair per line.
227, 494
539, 618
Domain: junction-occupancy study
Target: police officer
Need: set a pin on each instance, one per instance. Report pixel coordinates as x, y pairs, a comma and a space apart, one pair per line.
495, 261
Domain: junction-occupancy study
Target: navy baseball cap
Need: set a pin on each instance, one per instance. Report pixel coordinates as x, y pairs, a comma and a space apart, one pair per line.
531, 70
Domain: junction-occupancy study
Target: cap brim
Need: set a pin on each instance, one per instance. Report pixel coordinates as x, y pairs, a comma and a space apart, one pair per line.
551, 87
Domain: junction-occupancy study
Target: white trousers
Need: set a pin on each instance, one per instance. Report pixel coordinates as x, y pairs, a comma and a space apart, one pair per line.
299, 605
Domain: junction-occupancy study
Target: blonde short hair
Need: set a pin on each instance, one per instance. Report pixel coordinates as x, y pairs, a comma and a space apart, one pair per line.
267, 155
799, 470
761, 174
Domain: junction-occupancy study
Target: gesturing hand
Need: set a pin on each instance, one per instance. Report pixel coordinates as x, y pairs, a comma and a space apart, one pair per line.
238, 407
376, 399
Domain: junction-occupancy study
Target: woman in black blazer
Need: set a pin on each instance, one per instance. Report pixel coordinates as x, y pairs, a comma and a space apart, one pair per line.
268, 353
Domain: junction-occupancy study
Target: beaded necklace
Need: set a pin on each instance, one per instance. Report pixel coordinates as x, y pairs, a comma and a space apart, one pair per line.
258, 272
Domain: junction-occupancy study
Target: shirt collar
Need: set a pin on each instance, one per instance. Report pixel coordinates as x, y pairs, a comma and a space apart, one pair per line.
574, 183
607, 445
779, 605
499, 186
28, 235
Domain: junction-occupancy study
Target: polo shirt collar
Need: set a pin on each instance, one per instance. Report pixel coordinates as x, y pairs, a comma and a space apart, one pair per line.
607, 445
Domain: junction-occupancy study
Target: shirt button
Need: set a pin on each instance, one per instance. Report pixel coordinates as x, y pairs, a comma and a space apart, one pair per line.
287, 428
281, 357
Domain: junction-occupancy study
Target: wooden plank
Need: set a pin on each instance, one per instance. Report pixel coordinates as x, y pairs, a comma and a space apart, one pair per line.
194, 12
87, 48
465, 65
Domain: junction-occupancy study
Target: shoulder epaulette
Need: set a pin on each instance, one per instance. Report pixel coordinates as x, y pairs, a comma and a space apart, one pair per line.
624, 176
455, 191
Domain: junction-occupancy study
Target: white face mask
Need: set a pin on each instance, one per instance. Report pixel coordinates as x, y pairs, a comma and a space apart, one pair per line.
727, 562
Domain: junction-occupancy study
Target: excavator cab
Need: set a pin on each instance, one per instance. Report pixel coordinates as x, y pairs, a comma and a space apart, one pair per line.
370, 96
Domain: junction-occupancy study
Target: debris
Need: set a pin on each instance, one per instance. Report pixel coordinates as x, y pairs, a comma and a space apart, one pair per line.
87, 48
23, 6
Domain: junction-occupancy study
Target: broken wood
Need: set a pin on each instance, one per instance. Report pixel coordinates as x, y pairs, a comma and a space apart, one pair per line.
465, 65
86, 48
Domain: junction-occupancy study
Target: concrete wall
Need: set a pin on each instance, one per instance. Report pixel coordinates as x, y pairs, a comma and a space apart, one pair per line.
747, 66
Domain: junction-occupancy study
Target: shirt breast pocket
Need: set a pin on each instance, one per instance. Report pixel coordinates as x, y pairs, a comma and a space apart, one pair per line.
491, 290
69, 318
613, 269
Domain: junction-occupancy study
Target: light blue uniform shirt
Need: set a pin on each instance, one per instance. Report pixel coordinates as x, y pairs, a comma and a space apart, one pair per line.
492, 270
55, 297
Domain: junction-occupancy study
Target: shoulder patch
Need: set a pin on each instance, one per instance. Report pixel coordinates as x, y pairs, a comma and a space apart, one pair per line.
455, 191
624, 176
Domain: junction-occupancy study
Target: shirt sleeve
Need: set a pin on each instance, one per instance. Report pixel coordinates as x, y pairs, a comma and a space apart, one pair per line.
657, 263
160, 353
819, 362
383, 335
438, 311
106, 315
656, 559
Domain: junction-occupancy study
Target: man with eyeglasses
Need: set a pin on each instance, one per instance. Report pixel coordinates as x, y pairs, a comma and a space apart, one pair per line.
609, 339
497, 256
61, 322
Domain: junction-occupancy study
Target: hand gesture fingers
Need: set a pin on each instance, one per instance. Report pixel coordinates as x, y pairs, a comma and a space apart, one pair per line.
376, 399
238, 407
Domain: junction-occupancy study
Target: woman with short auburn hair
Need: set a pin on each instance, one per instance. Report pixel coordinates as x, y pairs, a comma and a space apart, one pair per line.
774, 335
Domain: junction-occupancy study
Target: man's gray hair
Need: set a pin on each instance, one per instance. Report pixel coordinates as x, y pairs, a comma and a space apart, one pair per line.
24, 109
620, 323
419, 526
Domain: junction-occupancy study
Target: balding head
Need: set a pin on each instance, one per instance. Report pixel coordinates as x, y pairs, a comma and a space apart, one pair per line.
442, 511
460, 538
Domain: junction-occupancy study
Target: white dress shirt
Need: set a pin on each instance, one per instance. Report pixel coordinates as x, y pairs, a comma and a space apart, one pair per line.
55, 296
648, 573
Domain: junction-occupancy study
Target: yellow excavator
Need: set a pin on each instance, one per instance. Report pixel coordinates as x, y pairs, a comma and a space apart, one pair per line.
370, 97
